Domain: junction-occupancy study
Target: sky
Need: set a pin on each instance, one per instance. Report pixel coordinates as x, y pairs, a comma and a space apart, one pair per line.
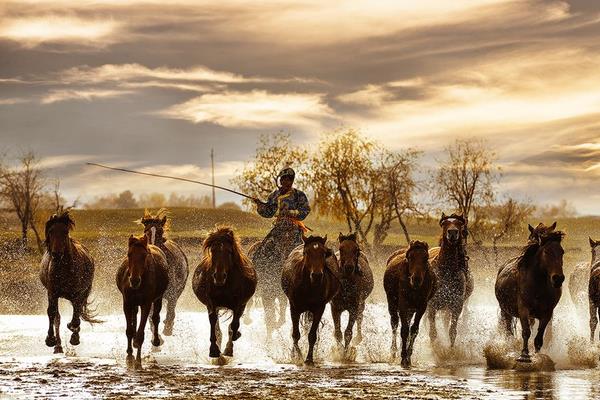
146, 85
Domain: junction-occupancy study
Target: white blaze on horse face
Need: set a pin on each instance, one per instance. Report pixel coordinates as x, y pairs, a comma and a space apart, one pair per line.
153, 238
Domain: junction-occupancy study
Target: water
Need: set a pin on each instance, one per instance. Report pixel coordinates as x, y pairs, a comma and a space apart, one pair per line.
182, 368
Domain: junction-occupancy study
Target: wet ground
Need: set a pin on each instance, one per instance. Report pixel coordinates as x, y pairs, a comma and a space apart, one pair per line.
181, 369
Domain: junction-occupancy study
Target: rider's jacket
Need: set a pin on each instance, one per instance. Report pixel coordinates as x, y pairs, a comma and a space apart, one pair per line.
292, 204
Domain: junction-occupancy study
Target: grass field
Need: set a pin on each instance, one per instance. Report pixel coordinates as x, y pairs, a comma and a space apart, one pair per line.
105, 233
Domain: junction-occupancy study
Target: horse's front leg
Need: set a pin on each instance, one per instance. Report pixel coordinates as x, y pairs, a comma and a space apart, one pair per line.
414, 331
295, 316
394, 320
130, 312
52, 311
170, 318
593, 320
312, 335
525, 334
336, 315
359, 318
156, 307
138, 341
234, 331
538, 342
75, 324
58, 348
348, 332
213, 318
405, 317
455, 314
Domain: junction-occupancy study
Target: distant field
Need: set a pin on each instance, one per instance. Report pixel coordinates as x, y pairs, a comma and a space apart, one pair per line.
105, 233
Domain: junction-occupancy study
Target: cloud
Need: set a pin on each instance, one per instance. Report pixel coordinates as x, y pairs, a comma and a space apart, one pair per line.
55, 96
34, 31
12, 100
254, 109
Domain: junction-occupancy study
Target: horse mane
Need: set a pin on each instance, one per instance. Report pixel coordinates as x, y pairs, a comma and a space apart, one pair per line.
417, 245
63, 217
226, 234
533, 246
157, 218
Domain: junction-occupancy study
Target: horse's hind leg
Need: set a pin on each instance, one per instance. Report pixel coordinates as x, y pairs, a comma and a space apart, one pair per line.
234, 331
156, 307
312, 335
506, 323
58, 347
593, 320
75, 324
52, 312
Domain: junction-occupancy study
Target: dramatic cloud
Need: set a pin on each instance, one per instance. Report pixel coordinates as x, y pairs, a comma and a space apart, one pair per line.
64, 95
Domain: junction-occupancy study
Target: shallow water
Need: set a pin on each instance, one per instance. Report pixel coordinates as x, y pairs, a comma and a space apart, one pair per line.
182, 369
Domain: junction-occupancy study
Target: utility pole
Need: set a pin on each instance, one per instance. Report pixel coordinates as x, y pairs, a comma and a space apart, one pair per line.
212, 164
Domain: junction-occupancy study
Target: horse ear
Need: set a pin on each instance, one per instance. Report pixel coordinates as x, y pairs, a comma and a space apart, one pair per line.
353, 236
325, 239
531, 230
131, 240
163, 221
552, 227
592, 242
144, 240
340, 236
442, 218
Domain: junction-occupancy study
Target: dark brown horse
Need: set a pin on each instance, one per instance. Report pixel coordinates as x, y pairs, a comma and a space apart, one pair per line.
154, 228
67, 271
529, 287
309, 280
594, 287
409, 285
142, 279
454, 279
224, 279
356, 284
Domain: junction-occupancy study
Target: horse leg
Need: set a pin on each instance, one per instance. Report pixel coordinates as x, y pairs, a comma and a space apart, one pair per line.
593, 320
394, 320
432, 327
312, 335
156, 307
234, 331
336, 315
52, 311
525, 334
405, 320
138, 341
348, 332
58, 348
506, 322
538, 342
75, 324
170, 318
414, 331
295, 316
213, 318
269, 308
359, 319
131, 324
455, 313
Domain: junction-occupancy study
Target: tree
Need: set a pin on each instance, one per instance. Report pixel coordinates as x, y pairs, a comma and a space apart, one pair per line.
126, 200
466, 179
22, 188
274, 152
152, 200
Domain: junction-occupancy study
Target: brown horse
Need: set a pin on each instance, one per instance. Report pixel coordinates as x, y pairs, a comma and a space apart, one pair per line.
594, 287
454, 279
142, 279
67, 271
154, 228
356, 284
224, 279
309, 280
529, 287
409, 285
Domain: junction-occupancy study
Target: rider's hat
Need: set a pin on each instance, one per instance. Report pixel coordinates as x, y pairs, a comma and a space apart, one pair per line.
286, 172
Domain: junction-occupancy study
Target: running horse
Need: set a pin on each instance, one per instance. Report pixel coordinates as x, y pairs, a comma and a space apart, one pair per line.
224, 279
594, 287
67, 271
356, 284
142, 279
155, 227
454, 279
409, 284
529, 287
309, 280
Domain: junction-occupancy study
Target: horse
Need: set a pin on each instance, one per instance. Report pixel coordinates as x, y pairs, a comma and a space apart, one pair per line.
67, 271
310, 279
356, 284
409, 284
529, 287
454, 279
224, 279
177, 262
539, 230
142, 279
594, 287
268, 256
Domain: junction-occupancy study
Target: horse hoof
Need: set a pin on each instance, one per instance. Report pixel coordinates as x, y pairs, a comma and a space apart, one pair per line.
138, 365
405, 363
237, 335
526, 358
58, 349
228, 351
74, 339
214, 352
50, 341
157, 342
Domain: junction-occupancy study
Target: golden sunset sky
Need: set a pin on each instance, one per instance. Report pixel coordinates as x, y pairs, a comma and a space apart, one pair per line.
143, 84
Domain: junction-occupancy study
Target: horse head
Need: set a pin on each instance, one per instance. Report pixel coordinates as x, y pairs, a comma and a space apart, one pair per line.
417, 257
349, 253
154, 225
223, 250
57, 231
595, 245
315, 257
137, 255
541, 229
454, 228
550, 256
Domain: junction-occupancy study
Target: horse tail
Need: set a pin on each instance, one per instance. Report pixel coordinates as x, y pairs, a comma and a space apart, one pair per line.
90, 315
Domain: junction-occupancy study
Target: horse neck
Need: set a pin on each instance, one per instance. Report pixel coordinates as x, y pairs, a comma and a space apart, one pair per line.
453, 255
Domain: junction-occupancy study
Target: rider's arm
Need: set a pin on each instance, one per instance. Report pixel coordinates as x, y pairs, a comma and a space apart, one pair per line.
269, 208
303, 207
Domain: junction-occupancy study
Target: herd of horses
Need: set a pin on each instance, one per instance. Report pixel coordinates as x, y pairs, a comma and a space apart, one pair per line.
416, 279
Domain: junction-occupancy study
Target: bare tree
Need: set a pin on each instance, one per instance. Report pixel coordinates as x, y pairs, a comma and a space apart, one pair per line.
22, 188
274, 152
466, 179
